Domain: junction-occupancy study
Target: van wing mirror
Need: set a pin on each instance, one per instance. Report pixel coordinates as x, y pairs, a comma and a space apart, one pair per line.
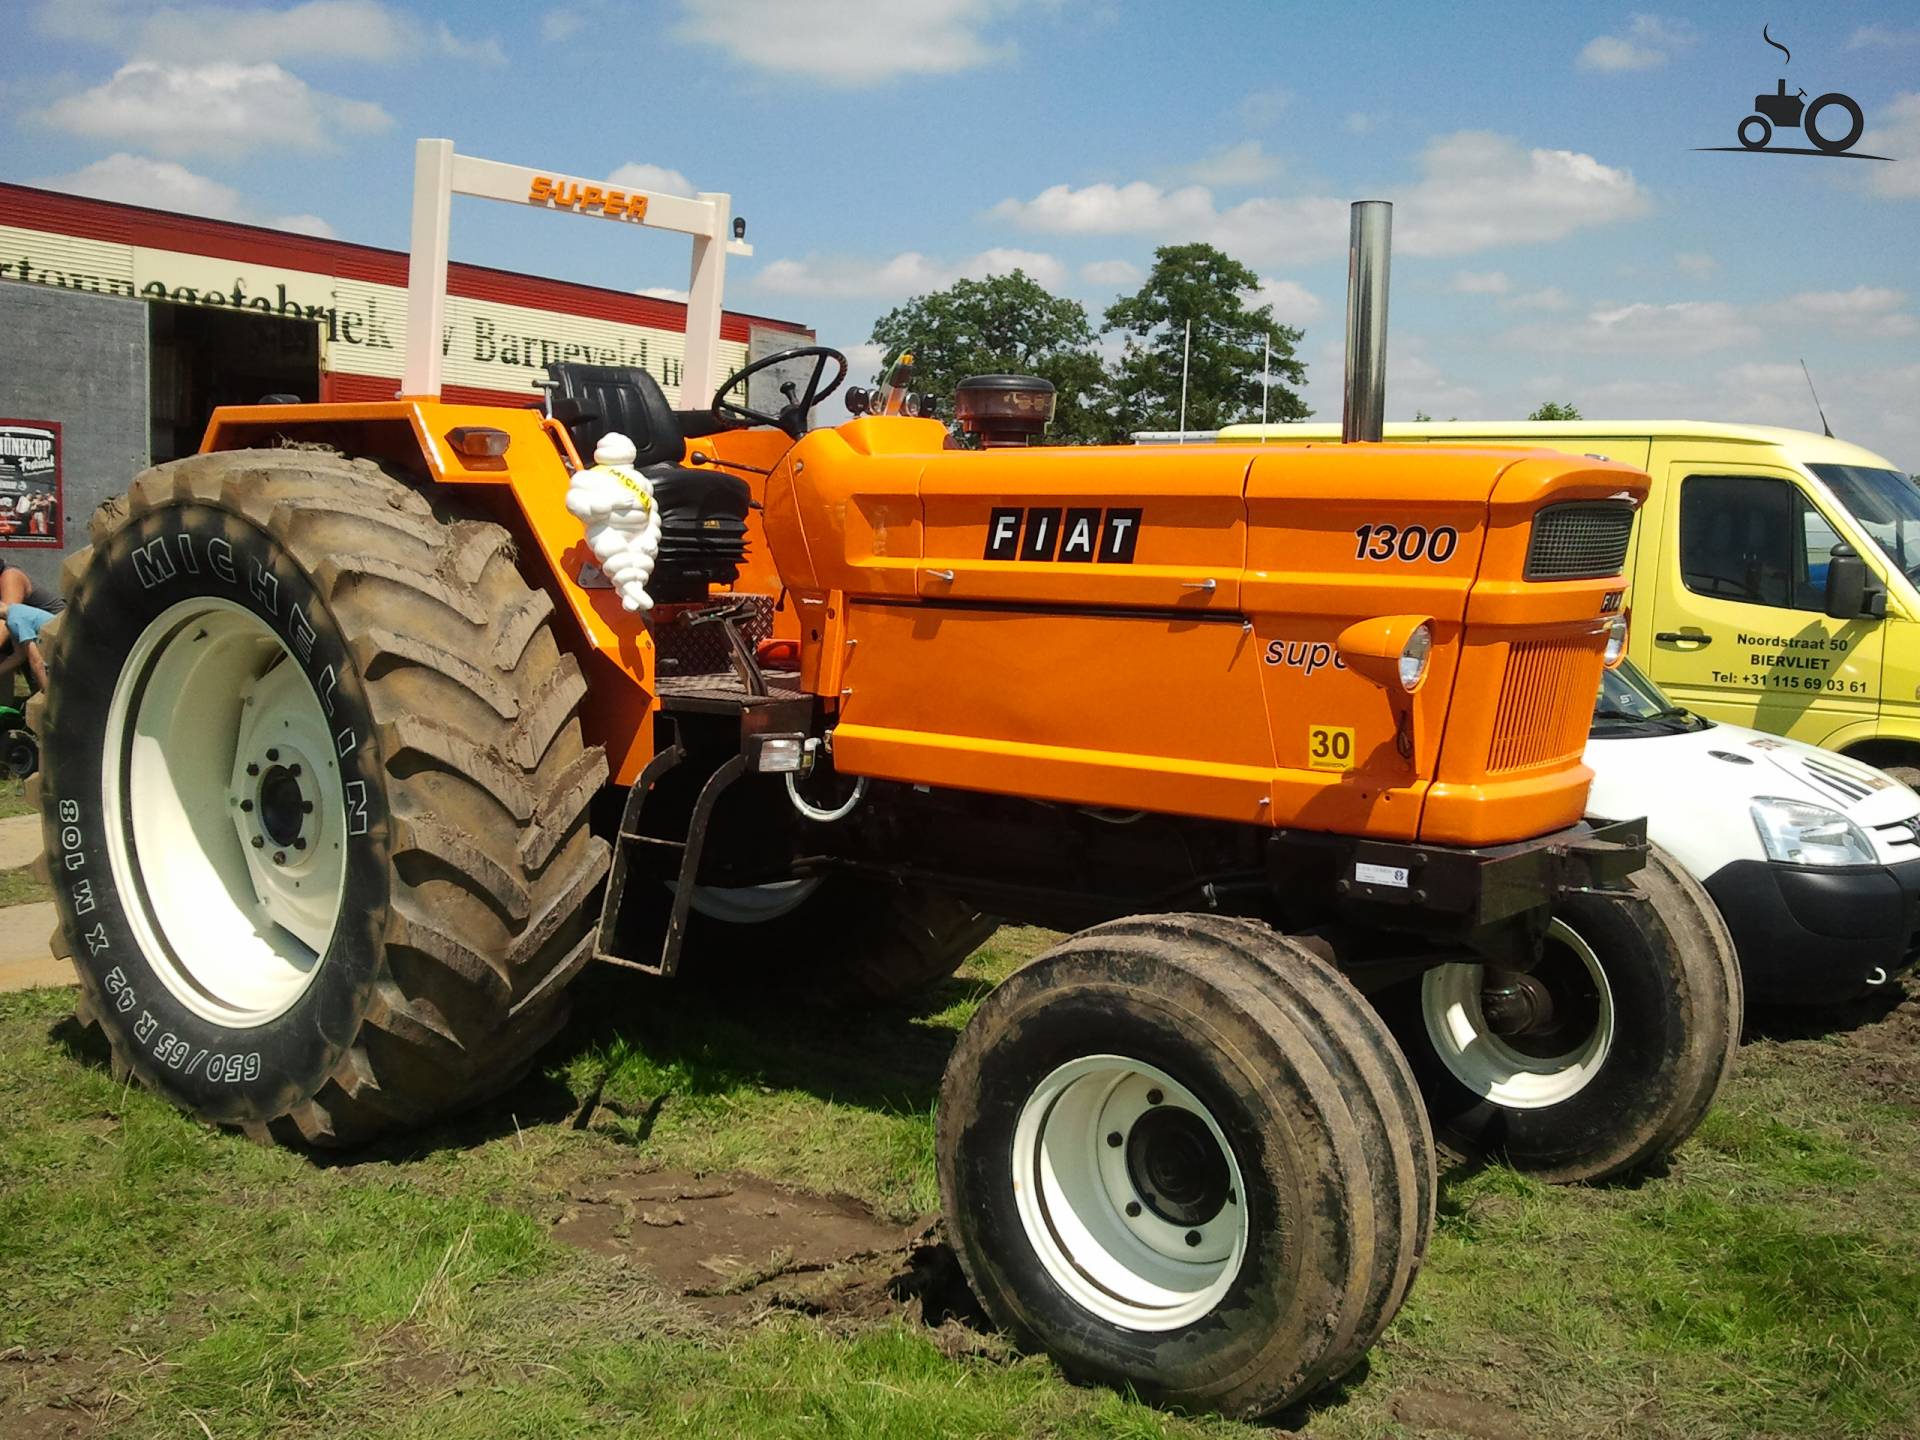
1846, 597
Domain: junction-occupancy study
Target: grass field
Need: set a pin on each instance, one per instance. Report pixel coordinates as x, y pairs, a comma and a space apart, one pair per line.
164, 1279
17, 886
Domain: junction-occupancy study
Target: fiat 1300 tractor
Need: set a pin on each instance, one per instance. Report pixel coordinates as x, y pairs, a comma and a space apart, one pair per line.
359, 750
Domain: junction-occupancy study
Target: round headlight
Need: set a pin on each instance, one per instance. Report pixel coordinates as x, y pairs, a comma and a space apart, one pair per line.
1616, 641
1414, 656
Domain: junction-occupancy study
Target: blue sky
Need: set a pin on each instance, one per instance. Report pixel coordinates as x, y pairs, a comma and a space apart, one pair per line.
1557, 236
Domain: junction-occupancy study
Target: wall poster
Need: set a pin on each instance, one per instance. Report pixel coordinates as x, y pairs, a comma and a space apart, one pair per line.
31, 512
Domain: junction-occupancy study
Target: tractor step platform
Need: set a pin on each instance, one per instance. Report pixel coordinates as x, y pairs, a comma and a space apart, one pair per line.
723, 692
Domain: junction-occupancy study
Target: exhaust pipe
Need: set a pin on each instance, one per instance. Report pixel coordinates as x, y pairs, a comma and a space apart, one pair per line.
1369, 246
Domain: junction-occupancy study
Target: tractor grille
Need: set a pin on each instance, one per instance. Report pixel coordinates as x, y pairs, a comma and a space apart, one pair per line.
1546, 703
1580, 541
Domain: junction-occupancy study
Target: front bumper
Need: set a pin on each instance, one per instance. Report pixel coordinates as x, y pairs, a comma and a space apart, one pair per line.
1819, 935
1467, 895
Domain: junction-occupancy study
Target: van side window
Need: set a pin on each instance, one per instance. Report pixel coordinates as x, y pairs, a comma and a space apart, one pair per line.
1755, 540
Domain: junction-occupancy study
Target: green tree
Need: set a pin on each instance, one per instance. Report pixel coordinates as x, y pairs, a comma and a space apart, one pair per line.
1552, 410
1200, 284
1005, 324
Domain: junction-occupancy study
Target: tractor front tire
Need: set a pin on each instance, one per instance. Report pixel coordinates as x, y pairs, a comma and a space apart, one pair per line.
1639, 1030
314, 797
1183, 1156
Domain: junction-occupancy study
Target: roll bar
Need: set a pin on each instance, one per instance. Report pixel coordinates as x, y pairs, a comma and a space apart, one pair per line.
439, 174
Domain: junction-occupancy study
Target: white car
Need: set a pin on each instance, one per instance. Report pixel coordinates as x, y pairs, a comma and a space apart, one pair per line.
1812, 858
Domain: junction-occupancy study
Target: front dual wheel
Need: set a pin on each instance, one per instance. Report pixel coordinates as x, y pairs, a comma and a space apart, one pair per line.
1181, 1154
1603, 1057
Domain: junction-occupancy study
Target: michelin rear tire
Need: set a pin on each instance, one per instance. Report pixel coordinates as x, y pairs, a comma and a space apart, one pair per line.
314, 797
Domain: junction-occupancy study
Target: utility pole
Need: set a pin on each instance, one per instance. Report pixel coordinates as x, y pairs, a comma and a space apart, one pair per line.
1186, 359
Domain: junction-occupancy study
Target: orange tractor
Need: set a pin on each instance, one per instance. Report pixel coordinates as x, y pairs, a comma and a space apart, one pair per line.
361, 755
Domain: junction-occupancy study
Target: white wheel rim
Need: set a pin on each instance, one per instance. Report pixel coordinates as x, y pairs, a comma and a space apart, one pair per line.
236, 934
1073, 1188
1492, 1067
753, 904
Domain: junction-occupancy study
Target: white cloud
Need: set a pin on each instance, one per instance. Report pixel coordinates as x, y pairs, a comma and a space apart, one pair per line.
663, 292
1363, 122
1688, 327
1140, 207
846, 277
1415, 383
1118, 273
1649, 43
1247, 163
864, 359
1551, 297
558, 25
163, 185
1490, 282
1871, 406
848, 43
1483, 191
636, 175
364, 31
1897, 136
1263, 107
1863, 312
1478, 191
1695, 262
1293, 304
1882, 37
484, 51
1700, 327
1268, 231
218, 108
1608, 53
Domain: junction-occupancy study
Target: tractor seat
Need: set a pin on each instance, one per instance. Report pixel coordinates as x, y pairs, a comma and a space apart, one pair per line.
594, 401
703, 513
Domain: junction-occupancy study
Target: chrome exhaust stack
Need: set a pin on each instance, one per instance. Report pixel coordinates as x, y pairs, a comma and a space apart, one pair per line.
1363, 412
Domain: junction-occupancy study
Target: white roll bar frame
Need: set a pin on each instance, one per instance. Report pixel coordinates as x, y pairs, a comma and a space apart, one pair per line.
439, 174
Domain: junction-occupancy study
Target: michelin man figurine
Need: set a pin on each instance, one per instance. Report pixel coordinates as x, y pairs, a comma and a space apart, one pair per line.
615, 502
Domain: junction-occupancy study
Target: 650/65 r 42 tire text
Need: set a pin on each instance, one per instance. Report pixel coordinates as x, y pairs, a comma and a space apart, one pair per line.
1181, 1154
314, 797
1606, 1056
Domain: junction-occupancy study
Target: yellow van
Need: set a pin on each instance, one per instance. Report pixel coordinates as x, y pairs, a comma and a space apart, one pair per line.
1773, 571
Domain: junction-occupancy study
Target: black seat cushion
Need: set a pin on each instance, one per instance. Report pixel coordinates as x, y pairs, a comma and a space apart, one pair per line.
703, 530
593, 401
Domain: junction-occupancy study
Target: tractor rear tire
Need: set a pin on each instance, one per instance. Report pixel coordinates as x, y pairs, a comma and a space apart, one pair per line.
1182, 1155
1648, 1009
848, 939
314, 797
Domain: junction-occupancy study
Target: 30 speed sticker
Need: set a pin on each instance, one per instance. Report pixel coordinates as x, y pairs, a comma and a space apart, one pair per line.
1330, 747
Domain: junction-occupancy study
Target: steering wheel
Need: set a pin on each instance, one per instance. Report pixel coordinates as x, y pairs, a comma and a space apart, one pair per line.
793, 415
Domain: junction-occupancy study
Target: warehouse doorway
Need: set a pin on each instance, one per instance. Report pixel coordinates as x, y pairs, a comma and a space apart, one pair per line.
200, 357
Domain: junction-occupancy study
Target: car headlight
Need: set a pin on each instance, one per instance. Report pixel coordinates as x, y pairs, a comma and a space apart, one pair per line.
1616, 641
1796, 833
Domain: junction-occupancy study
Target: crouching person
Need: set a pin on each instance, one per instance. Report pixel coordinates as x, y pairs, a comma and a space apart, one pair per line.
23, 623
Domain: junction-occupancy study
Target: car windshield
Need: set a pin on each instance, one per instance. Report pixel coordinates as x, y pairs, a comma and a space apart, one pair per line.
1887, 505
1628, 700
